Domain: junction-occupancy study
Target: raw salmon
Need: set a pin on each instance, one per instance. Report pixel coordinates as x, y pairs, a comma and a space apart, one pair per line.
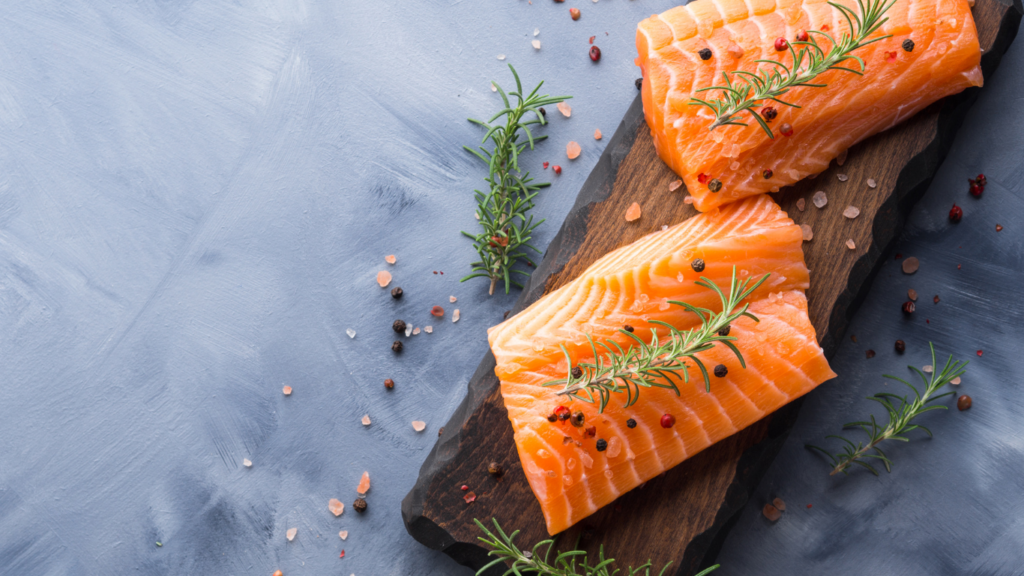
631, 285
945, 59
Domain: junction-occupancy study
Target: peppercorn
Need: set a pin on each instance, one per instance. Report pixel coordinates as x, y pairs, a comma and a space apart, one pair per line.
802, 36
602, 444
786, 130
909, 307
715, 185
557, 169
721, 371
703, 178
437, 311
704, 53
963, 403
590, 431
981, 180
574, 13
595, 53
630, 423
781, 44
936, 299
955, 214
725, 331
495, 469
396, 292
869, 354
639, 82
901, 346
577, 419
577, 372
697, 265
398, 326
668, 421
562, 413
552, 417
769, 113
543, 112
359, 505
396, 346
976, 190
767, 173
908, 45
627, 328
389, 383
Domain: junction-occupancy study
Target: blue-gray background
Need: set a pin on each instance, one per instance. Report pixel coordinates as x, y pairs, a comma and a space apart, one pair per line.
195, 198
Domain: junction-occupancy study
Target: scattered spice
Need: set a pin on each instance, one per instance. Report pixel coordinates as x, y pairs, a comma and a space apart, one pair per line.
246, 462
820, 199
963, 403
890, 56
342, 555
703, 178
396, 292
336, 507
602, 445
364, 484
851, 212
398, 326
955, 214
562, 413
801, 36
366, 420
383, 278
869, 354
908, 307
630, 423
800, 204
771, 513
979, 353
767, 173
807, 232
786, 129
437, 311
715, 185
574, 13
936, 299
639, 83
908, 45
428, 329
597, 133
674, 185
557, 169
290, 534
725, 330
419, 425
769, 113
704, 53
721, 371
633, 212
668, 421
591, 41
464, 488
912, 294
780, 504
389, 383
590, 431
440, 431
495, 469
628, 328
781, 44
851, 244
901, 346
565, 109
577, 419
910, 265
595, 53
470, 498
572, 150
999, 228
359, 505
697, 265
287, 390
396, 346
455, 316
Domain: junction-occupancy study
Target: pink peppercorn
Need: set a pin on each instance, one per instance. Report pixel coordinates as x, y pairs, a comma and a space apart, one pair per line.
668, 421
557, 169
781, 44
595, 53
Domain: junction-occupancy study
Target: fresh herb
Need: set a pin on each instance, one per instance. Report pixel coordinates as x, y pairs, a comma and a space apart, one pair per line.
901, 410
750, 89
571, 563
656, 364
503, 208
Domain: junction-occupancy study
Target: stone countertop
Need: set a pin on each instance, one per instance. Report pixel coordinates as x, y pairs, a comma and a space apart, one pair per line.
195, 199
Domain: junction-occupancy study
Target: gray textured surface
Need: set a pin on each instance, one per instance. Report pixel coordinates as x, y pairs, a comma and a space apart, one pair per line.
194, 200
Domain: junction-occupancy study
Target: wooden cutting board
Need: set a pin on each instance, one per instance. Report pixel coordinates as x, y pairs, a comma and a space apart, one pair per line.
683, 515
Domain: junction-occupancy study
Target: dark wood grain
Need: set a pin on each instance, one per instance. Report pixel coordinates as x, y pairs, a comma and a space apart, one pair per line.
683, 515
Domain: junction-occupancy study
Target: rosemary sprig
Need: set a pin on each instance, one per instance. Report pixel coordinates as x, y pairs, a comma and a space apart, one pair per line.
571, 563
901, 410
502, 210
656, 364
742, 94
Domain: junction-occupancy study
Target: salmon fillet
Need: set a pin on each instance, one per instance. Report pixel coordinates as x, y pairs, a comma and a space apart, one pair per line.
631, 285
945, 59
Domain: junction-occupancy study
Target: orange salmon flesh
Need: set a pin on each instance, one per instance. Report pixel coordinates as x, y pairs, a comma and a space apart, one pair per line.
632, 285
896, 84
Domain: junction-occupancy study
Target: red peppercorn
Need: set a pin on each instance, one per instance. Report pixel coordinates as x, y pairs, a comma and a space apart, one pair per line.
562, 413
767, 173
979, 352
781, 44
437, 311
909, 307
389, 383
786, 130
546, 165
465, 488
595, 53
769, 113
963, 403
574, 13
668, 421
981, 180
801, 36
976, 190
590, 431
703, 178
955, 213
557, 169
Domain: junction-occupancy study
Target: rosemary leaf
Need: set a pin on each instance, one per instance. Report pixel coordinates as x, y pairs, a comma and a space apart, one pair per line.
743, 91
538, 560
901, 411
659, 363
502, 210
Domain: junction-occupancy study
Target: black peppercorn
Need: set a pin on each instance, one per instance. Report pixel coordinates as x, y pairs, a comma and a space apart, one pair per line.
552, 417
577, 419
908, 45
715, 185
697, 265
359, 505
627, 328
495, 469
389, 383
901, 346
704, 53
767, 173
398, 326
630, 423
396, 346
543, 112
725, 331
639, 83
909, 307
869, 354
396, 292
721, 371
602, 445
577, 372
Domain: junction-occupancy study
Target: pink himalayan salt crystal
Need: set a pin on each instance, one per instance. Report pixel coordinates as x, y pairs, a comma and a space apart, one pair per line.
597, 134
390, 258
807, 232
588, 462
364, 484
452, 298
614, 447
872, 183
290, 534
842, 177
850, 244
771, 513
419, 425
955, 381
335, 506
911, 265
688, 199
343, 534
780, 504
415, 330
535, 44
801, 204
819, 199
366, 420
246, 462
383, 278
927, 369
572, 150
287, 390
565, 109
633, 212
455, 316
470, 497
851, 212
428, 329
674, 185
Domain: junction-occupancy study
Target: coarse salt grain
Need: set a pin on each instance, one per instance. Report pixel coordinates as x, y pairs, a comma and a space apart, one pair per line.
390, 259
364, 484
565, 109
419, 425
842, 177
455, 316
383, 278
536, 44
927, 369
771, 513
819, 199
871, 183
408, 330
664, 227
850, 244
597, 134
246, 462
536, 31
633, 212
287, 390
674, 185
366, 420
801, 204
428, 329
336, 507
955, 381
910, 265
452, 298
807, 232
501, 56
851, 212
780, 504
614, 447
415, 330
912, 294
290, 534
572, 150
351, 333
343, 534
688, 199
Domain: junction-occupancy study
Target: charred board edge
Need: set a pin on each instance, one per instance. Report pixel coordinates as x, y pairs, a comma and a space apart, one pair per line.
914, 179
